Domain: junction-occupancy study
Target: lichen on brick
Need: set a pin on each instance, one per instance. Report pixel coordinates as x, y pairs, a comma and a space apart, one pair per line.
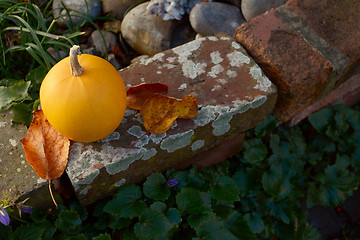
120, 182
177, 141
215, 70
86, 180
85, 190
263, 83
149, 154
216, 57
111, 137
237, 58
122, 161
156, 138
197, 145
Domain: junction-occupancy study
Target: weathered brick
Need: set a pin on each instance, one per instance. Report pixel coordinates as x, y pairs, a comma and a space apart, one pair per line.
233, 95
337, 22
299, 71
15, 171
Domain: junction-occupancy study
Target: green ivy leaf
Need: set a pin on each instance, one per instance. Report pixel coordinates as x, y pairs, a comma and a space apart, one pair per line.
173, 215
102, 237
68, 220
214, 230
48, 229
255, 154
225, 189
281, 210
265, 127
151, 224
117, 222
198, 218
126, 203
28, 232
155, 187
188, 200
320, 119
255, 222
15, 93
238, 226
158, 206
247, 181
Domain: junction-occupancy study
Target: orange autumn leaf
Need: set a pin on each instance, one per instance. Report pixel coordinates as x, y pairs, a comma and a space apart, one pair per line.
160, 111
137, 95
46, 149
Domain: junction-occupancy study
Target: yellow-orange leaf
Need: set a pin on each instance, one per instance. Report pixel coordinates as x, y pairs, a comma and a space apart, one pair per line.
137, 95
46, 149
160, 111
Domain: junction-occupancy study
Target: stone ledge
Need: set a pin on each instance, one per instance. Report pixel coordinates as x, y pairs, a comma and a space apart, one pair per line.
15, 171
233, 96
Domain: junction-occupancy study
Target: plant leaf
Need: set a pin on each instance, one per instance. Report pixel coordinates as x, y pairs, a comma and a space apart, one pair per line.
16, 92
28, 232
160, 111
68, 220
126, 203
155, 187
151, 224
321, 119
46, 149
225, 189
137, 95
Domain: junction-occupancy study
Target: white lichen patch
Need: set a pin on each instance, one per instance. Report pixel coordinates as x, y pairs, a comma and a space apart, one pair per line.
159, 72
2, 124
171, 59
13, 142
136, 131
156, 138
111, 137
156, 57
182, 87
263, 83
237, 58
231, 73
192, 70
197, 145
216, 57
122, 162
221, 124
177, 141
216, 87
87, 180
149, 154
222, 81
212, 38
130, 112
85, 190
169, 66
215, 70
189, 68
236, 45
174, 125
120, 182
18, 169
143, 141
225, 38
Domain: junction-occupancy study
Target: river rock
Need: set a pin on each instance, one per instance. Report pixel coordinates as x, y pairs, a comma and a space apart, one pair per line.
211, 18
171, 9
117, 8
101, 44
146, 33
253, 8
78, 10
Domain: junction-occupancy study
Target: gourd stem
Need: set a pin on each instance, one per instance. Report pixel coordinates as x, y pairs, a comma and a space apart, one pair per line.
76, 69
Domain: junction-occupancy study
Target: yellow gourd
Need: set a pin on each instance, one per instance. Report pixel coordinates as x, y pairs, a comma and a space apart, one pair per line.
83, 97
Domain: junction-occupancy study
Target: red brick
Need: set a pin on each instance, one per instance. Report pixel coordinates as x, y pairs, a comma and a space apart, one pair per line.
299, 72
233, 96
336, 21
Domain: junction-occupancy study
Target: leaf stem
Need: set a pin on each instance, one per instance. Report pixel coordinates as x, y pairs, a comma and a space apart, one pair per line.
76, 69
52, 196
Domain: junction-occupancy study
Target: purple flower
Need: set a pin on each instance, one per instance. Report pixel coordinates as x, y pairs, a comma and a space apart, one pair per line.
25, 209
172, 182
4, 217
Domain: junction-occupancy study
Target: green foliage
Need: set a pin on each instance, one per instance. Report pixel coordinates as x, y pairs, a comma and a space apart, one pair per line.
255, 195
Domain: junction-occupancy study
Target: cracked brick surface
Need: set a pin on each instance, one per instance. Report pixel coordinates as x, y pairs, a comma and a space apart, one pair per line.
233, 96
